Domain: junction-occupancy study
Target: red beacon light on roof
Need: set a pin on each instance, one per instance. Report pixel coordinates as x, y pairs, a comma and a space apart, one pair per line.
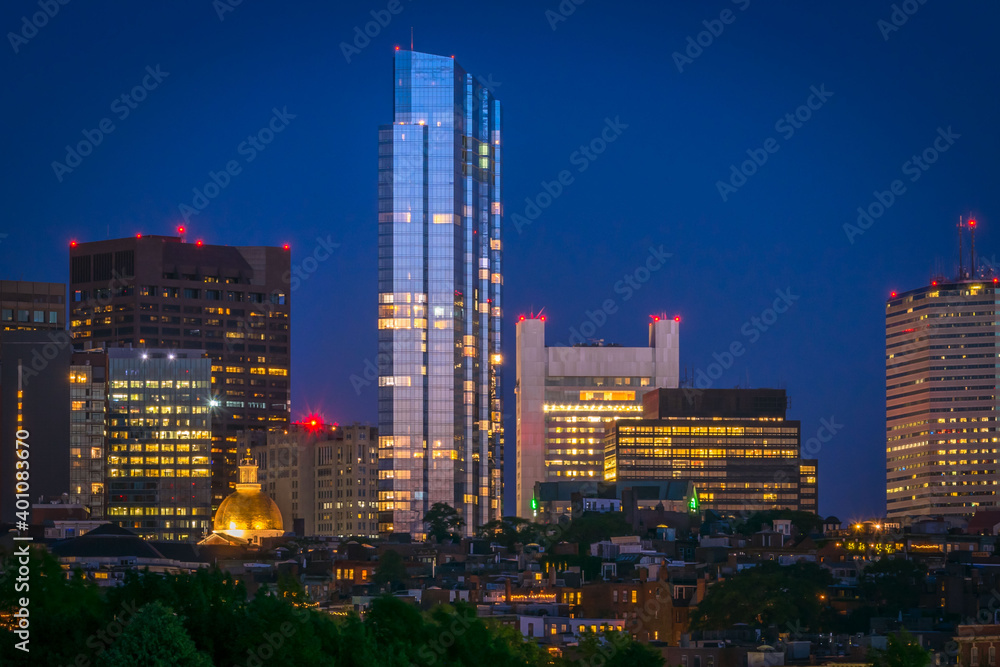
138, 236
542, 318
892, 295
520, 319
199, 243
72, 244
286, 246
677, 318
181, 229
972, 223
933, 283
656, 318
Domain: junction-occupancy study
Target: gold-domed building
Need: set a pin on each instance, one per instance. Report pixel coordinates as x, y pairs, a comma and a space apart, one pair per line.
248, 513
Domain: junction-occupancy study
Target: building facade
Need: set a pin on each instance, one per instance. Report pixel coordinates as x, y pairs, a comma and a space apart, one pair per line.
567, 397
88, 394
323, 477
735, 445
32, 306
941, 399
34, 397
158, 292
159, 442
440, 285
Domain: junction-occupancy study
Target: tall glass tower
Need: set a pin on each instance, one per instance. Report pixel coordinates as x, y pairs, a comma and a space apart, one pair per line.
439, 283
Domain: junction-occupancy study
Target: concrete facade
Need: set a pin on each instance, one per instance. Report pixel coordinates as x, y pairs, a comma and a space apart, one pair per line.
566, 397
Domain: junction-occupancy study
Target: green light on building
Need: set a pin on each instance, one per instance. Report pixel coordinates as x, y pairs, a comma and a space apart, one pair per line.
693, 503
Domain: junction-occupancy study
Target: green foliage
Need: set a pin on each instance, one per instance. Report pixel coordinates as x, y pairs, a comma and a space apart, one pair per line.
391, 570
155, 637
591, 527
891, 585
511, 530
443, 522
207, 618
765, 595
804, 522
903, 650
616, 649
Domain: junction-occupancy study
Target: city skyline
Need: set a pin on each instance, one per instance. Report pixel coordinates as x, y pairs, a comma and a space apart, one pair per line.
764, 262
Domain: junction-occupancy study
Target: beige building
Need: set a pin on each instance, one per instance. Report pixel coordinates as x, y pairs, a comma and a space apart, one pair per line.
941, 399
567, 396
322, 477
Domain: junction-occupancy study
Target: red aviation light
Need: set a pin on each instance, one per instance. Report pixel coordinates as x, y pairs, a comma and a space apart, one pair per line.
656, 318
542, 318
972, 223
933, 283
677, 318
286, 246
521, 319
199, 243
72, 244
181, 229
892, 295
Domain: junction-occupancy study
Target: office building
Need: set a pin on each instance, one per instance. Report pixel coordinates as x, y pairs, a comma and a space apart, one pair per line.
159, 292
159, 442
34, 397
88, 394
440, 308
31, 306
941, 398
567, 397
735, 445
323, 477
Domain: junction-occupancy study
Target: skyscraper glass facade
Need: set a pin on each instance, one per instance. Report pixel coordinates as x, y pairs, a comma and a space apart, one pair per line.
159, 442
440, 285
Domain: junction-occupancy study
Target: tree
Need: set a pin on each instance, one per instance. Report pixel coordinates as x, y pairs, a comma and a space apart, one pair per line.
511, 530
155, 637
903, 650
892, 585
443, 522
766, 595
617, 649
391, 570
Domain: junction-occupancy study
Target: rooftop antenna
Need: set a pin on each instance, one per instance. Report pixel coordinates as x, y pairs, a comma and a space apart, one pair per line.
972, 252
411, 38
961, 254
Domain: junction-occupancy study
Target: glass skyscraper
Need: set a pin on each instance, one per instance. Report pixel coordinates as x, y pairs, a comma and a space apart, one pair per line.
439, 283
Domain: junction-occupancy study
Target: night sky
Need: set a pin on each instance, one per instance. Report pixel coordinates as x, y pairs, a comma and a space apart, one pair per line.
885, 90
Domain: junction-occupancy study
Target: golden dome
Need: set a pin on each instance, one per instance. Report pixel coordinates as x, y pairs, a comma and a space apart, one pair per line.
248, 509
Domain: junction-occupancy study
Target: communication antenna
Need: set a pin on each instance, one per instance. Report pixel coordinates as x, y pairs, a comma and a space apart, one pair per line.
411, 38
972, 254
961, 254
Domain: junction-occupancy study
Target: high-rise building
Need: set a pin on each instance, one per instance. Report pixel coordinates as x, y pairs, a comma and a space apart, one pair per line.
158, 292
34, 397
32, 306
323, 477
88, 394
159, 442
942, 414
440, 285
735, 445
568, 396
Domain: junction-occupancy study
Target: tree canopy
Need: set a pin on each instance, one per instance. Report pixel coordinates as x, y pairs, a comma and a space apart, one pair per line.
443, 522
766, 595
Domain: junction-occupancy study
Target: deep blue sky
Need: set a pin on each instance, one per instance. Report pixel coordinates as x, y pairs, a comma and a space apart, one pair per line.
655, 185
